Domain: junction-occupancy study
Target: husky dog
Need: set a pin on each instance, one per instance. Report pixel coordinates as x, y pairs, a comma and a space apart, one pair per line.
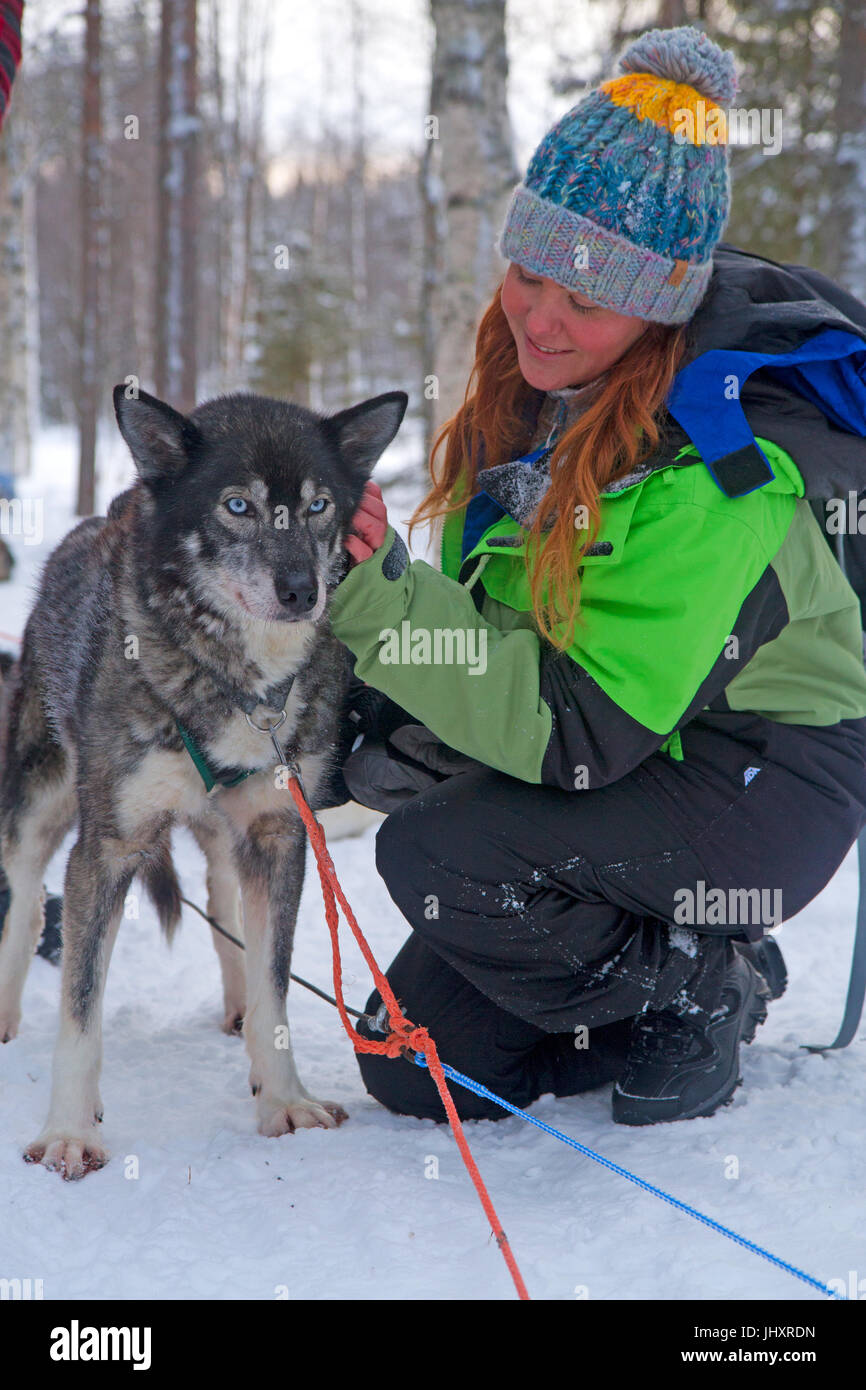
166, 639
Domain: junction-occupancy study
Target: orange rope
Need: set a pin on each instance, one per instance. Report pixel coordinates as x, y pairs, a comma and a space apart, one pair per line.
404, 1036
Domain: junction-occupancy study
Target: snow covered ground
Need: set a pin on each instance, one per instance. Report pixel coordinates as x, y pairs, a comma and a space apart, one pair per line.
217, 1212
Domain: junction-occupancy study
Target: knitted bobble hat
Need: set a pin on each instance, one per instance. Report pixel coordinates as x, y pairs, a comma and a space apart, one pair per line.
628, 193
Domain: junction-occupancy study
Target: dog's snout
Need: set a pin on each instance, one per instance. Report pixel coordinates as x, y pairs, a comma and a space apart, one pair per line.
298, 592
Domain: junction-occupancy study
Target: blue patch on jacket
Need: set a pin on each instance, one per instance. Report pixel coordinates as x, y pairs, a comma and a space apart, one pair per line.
484, 511
829, 369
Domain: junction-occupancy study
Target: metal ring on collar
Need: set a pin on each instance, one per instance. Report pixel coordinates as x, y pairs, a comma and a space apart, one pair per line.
267, 728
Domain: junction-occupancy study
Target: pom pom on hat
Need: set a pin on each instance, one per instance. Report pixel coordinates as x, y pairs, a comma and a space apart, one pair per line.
685, 55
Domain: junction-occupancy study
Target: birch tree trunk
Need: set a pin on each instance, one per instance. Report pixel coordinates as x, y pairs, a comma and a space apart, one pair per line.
218, 269
358, 211
672, 13
176, 268
92, 257
851, 148
243, 176
17, 263
467, 175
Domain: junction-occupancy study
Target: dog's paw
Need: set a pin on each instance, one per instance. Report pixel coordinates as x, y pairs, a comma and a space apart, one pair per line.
73, 1156
10, 1022
284, 1117
233, 1022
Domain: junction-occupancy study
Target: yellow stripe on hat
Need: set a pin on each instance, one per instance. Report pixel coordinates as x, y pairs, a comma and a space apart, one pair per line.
671, 105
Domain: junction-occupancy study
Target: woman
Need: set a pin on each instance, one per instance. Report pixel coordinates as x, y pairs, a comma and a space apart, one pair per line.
636, 686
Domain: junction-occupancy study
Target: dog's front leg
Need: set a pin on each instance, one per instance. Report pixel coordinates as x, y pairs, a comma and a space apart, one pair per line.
92, 909
271, 865
36, 824
224, 905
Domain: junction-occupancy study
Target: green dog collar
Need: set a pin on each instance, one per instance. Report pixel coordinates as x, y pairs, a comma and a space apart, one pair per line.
211, 777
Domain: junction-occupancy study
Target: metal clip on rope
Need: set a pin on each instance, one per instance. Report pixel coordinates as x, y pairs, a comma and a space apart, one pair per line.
285, 759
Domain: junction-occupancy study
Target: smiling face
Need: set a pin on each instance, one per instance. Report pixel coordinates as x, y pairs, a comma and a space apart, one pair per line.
582, 339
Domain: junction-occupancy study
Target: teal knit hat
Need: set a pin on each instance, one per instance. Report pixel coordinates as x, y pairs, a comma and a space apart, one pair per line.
629, 192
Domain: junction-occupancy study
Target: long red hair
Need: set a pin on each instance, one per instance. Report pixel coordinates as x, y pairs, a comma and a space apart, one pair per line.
496, 422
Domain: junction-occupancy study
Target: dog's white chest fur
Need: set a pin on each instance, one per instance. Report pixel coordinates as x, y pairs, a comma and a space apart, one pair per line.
235, 744
276, 648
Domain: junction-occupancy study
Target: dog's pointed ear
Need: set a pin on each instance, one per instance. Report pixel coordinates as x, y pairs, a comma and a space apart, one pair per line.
363, 432
158, 436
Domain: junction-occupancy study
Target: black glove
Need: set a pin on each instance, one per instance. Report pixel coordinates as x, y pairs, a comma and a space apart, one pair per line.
366, 714
422, 745
371, 712
383, 774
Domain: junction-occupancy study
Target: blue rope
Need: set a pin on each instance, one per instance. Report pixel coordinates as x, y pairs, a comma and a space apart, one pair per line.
480, 1090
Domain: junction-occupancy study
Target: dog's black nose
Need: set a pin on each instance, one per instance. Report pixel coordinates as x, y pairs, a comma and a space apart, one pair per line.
297, 592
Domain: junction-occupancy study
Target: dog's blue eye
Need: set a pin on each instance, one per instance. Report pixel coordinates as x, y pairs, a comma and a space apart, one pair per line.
238, 505
318, 505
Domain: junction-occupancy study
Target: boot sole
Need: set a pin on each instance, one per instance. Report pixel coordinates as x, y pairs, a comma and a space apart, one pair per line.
753, 1014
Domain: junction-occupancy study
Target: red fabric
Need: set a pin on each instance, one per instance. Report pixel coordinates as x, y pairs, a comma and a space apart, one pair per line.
10, 48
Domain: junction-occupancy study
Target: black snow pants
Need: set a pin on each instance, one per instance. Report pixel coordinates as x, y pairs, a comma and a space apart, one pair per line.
545, 920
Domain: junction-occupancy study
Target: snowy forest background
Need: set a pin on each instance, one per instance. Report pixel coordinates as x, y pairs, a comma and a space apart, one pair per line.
212, 195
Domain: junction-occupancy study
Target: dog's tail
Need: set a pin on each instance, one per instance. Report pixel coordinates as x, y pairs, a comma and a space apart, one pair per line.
160, 883
8, 662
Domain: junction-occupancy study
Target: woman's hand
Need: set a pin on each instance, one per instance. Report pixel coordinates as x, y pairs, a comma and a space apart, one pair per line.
369, 525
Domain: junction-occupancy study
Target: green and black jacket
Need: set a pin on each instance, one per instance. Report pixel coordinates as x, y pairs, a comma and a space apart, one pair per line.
710, 585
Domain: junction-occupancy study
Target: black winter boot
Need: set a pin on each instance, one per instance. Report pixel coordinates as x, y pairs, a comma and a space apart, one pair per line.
50, 942
680, 1067
766, 957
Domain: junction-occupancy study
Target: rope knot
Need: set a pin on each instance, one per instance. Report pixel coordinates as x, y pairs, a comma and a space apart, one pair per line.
405, 1035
